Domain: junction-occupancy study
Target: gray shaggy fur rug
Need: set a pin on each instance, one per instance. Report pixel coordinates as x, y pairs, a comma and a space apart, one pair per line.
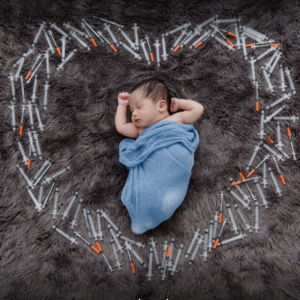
38, 263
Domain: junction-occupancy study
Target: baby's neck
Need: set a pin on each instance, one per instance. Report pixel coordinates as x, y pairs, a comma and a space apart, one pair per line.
164, 116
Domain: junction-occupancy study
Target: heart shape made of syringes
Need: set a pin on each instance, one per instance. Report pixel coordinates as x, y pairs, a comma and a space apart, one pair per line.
150, 53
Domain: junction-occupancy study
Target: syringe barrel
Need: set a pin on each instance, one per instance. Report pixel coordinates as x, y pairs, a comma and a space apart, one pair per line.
77, 211
86, 221
63, 51
25, 177
55, 202
207, 33
269, 63
211, 224
107, 27
177, 259
135, 28
37, 204
73, 34
205, 239
145, 51
157, 44
114, 237
225, 21
72, 240
222, 42
89, 215
256, 222
110, 221
53, 25
138, 257
130, 50
253, 157
178, 28
285, 96
275, 63
150, 261
216, 218
33, 97
40, 170
244, 46
192, 243
17, 75
179, 38
171, 251
275, 181
70, 204
13, 116
241, 215
60, 172
238, 237
99, 222
265, 53
196, 249
234, 227
238, 42
163, 42
38, 117
38, 33
274, 114
48, 41
13, 91
291, 84
30, 116
132, 44
112, 242
47, 65
37, 144
252, 69
262, 196
262, 117
156, 258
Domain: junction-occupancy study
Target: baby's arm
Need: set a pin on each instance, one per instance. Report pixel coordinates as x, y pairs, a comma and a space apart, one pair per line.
193, 110
127, 129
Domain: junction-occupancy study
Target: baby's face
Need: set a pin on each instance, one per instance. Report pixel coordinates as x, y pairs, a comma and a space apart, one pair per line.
144, 111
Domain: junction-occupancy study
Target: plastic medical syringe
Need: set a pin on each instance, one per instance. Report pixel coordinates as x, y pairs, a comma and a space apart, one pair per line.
101, 251
107, 28
265, 53
130, 260
222, 42
264, 182
152, 243
253, 170
283, 85
262, 196
285, 96
33, 73
42, 170
107, 41
278, 170
234, 227
279, 140
196, 250
238, 42
237, 197
252, 62
41, 126
49, 193
279, 156
33, 66
270, 86
13, 91
37, 145
48, 179
131, 43
136, 55
22, 89
253, 157
178, 28
115, 238
33, 96
47, 64
25, 177
166, 263
73, 223
100, 233
163, 42
176, 45
188, 39
275, 63
243, 181
262, 118
56, 47
245, 196
72, 240
145, 51
110, 222
73, 29
256, 96
278, 190
46, 88
30, 115
122, 237
53, 25
54, 213
205, 244
128, 246
163, 261
63, 48
211, 225
221, 207
243, 38
149, 275
290, 80
286, 118
156, 45
135, 29
37, 204
110, 22
86, 222
84, 24
38, 33
13, 116
256, 221
89, 244
22, 119
22, 151
220, 233
291, 142
150, 51
118, 264
48, 41
177, 259
66, 213
256, 33
200, 40
66, 60
214, 234
31, 143
269, 118
22, 59
41, 193
171, 254
269, 63
238, 237
91, 224
246, 223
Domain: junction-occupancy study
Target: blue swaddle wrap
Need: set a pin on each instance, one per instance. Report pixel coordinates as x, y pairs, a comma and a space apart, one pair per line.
160, 161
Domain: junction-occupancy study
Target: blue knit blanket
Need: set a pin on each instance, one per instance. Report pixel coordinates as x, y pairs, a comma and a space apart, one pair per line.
160, 161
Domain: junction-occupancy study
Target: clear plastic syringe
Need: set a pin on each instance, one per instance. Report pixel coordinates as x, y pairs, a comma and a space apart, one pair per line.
13, 91
41, 126
107, 28
290, 80
53, 25
152, 243
21, 63
130, 42
278, 190
89, 244
256, 33
264, 182
238, 41
205, 245
37, 204
269, 118
136, 55
278, 170
41, 193
270, 87
212, 19
72, 240
25, 177
221, 207
56, 47
33, 97
150, 51
128, 246
73, 223
291, 142
171, 254
256, 221
178, 28
265, 53
48, 41
42, 171
188, 252
279, 156
226, 21
183, 32
136, 37
37, 145
107, 41
122, 237
33, 66
252, 62
252, 157
33, 73
222, 42
238, 237
86, 222
49, 193
30, 116
285, 96
100, 233
256, 96
145, 51
211, 225
163, 42
110, 222
54, 213
115, 238
251, 35
65, 214
110, 22
118, 264
262, 118
13, 116
234, 227
91, 223
130, 260
245, 196
275, 63
283, 85
66, 60
47, 64
84, 24
156, 45
163, 261
22, 120
286, 118
279, 140
243, 38
63, 48
177, 259
22, 88
269, 63
200, 40
220, 233
237, 197
149, 275
46, 88
214, 234
73, 29
196, 250
246, 223
253, 170
38, 33
22, 151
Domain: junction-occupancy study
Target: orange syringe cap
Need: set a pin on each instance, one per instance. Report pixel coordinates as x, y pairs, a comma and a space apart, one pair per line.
58, 51
28, 163
28, 75
242, 176
152, 57
282, 179
249, 45
270, 140
95, 249
251, 172
177, 47
289, 132
230, 43
99, 247
232, 34
220, 218
198, 45
257, 106
93, 41
21, 130
216, 243
132, 267
113, 47
168, 251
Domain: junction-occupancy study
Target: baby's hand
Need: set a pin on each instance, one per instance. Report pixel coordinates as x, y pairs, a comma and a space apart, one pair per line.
123, 99
174, 104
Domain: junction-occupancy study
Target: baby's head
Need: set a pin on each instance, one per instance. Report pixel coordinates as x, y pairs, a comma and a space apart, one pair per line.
149, 102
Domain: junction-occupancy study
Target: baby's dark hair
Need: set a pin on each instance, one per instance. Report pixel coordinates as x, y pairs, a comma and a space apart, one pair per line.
155, 89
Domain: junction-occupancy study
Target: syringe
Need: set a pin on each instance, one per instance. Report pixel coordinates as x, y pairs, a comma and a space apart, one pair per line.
157, 44
272, 151
66, 60
21, 63
246, 223
48, 41
42, 171
238, 237
22, 151
262, 196
279, 140
38, 33
238, 42
118, 264
237, 197
66, 213
178, 28
106, 40
285, 96
196, 250
73, 223
220, 233
283, 85
177, 259
22, 120
167, 261
25, 177
54, 213
130, 42
53, 25
33, 66
13, 116
176, 43
264, 182
41, 193
110, 22
13, 91
291, 142
234, 227
46, 88
163, 261
56, 47
128, 246
33, 73
37, 145
171, 254
290, 80
122, 237
226, 21
253, 157
149, 275
275, 63
33, 97
110, 222
100, 233
37, 204
245, 196
136, 55
91, 223
200, 40
286, 118
256, 33
49, 193
145, 51
253, 170
214, 234
135, 29
152, 243
252, 62
243, 181
163, 42
63, 48
101, 251
244, 46
150, 51
221, 208
278, 170
269, 118
211, 225
47, 64
205, 245
262, 118
270, 86
130, 260
265, 53
48, 179
278, 190
89, 244
256, 222
73, 29
86, 222
72, 240
107, 28
30, 116
22, 89
115, 238
91, 38
41, 126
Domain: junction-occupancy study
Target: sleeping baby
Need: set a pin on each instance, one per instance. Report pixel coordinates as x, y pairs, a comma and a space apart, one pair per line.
159, 154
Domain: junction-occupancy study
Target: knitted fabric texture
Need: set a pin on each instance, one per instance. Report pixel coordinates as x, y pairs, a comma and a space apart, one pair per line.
160, 161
